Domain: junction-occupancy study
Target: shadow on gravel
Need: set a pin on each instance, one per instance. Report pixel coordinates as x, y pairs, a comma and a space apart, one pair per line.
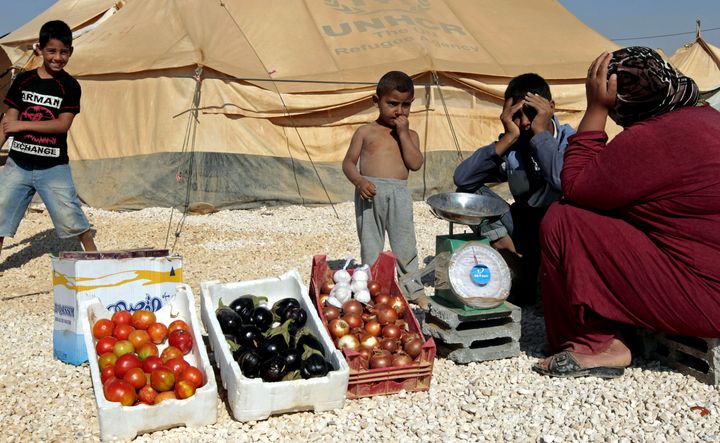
42, 243
532, 330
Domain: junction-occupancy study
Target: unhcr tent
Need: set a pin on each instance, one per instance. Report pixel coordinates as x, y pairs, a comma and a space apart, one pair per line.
242, 103
701, 61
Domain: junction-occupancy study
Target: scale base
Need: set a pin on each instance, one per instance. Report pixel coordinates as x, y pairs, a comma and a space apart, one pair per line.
480, 335
446, 298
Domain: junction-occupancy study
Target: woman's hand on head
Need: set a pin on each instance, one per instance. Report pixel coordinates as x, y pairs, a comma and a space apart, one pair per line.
601, 91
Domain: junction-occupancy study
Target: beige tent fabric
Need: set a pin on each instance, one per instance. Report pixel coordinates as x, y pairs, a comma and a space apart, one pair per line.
280, 87
125, 116
700, 61
339, 41
78, 14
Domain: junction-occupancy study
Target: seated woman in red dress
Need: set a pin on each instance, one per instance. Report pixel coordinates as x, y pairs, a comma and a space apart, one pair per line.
637, 239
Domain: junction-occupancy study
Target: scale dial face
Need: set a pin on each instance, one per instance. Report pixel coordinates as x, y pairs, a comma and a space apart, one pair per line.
477, 271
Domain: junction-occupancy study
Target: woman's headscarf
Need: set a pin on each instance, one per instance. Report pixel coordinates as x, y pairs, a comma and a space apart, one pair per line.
647, 86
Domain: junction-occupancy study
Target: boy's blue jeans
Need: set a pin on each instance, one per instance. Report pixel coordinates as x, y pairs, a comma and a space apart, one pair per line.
18, 184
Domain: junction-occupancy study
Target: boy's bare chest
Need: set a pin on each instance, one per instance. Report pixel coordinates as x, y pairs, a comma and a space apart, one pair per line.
381, 141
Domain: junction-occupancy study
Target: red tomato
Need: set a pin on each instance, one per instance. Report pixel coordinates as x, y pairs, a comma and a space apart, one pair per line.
162, 379
106, 373
147, 395
105, 345
122, 331
123, 347
168, 395
139, 337
107, 359
122, 318
151, 363
194, 376
136, 377
170, 352
158, 332
177, 365
125, 363
181, 339
147, 350
184, 389
143, 318
103, 328
178, 324
120, 391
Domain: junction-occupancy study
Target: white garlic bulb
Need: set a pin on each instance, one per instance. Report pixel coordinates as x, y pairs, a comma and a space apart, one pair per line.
363, 296
341, 276
361, 274
341, 292
358, 285
334, 301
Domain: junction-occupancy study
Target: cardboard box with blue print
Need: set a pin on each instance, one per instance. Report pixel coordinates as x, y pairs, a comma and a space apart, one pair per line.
132, 280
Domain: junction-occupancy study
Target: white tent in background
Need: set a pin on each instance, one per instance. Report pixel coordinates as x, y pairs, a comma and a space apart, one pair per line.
714, 101
701, 61
242, 103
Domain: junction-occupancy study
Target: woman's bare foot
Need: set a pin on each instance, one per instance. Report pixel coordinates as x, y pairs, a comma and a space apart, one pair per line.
617, 355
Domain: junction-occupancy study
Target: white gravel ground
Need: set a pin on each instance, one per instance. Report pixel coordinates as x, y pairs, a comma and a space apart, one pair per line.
42, 399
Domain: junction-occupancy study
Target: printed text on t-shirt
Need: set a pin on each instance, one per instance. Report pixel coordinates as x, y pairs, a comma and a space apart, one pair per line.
41, 99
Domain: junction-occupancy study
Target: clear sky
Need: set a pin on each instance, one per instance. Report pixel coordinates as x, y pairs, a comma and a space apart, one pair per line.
615, 19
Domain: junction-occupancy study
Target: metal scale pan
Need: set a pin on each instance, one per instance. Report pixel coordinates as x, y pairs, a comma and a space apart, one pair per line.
466, 209
477, 274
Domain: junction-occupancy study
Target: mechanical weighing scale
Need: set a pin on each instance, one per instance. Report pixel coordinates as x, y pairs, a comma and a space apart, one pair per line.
468, 316
469, 274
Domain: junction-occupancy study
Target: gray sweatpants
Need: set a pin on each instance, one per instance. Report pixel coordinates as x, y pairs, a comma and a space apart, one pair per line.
390, 211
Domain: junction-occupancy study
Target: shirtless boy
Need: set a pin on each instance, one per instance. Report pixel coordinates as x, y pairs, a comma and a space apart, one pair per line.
387, 150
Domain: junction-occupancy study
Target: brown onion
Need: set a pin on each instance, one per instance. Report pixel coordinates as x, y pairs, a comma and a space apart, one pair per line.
391, 331
407, 336
382, 299
373, 287
331, 313
349, 341
386, 315
368, 316
338, 328
352, 307
353, 320
323, 299
389, 345
380, 359
398, 304
401, 359
327, 286
357, 332
413, 347
402, 324
373, 328
369, 341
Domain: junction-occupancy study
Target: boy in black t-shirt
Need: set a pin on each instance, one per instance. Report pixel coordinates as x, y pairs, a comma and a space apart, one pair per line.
42, 105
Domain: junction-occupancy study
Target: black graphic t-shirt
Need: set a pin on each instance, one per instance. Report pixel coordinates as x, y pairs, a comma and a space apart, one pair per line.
39, 99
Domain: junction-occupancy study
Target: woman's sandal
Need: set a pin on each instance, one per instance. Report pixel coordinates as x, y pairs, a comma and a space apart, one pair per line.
564, 364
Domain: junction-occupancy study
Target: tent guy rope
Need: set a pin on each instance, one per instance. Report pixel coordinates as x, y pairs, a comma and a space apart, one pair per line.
190, 132
289, 116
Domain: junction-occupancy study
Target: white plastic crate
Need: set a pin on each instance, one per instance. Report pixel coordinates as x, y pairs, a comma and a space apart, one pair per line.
251, 398
119, 422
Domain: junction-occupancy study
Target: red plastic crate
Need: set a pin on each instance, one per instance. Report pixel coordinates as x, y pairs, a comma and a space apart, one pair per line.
368, 382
